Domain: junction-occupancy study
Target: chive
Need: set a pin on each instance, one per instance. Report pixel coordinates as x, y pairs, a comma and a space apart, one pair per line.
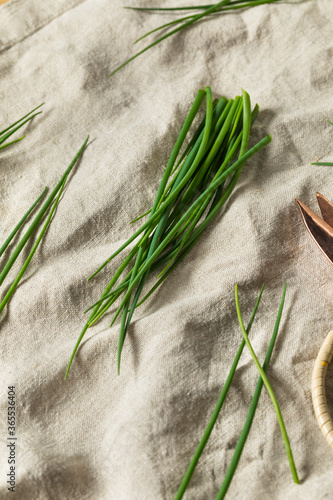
12, 142
202, 181
253, 407
270, 392
323, 164
31, 254
12, 234
216, 412
39, 217
187, 21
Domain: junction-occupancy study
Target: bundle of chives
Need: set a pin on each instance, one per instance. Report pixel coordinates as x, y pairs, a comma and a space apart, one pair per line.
185, 22
53, 198
324, 163
7, 132
247, 426
204, 178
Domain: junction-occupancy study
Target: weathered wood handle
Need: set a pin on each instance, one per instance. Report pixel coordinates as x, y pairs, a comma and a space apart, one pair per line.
318, 388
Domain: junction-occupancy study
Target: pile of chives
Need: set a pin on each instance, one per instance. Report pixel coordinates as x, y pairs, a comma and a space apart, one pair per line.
187, 21
53, 199
193, 190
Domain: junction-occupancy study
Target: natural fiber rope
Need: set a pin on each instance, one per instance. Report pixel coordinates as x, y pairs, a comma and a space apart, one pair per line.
318, 388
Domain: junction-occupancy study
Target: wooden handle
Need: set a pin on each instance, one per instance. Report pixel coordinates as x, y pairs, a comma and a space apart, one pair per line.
318, 388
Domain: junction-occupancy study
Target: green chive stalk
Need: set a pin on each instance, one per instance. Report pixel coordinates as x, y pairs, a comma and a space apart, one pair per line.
270, 392
194, 188
187, 21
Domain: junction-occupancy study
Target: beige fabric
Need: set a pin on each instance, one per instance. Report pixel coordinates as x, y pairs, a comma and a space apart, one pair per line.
100, 436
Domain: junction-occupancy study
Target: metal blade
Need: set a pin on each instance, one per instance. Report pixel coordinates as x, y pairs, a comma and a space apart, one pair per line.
326, 209
321, 232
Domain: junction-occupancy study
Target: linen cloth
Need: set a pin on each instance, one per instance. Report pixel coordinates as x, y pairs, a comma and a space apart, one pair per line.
98, 435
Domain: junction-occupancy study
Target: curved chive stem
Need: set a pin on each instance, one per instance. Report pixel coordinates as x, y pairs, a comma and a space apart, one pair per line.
217, 410
33, 250
39, 217
270, 392
12, 234
253, 407
323, 164
12, 142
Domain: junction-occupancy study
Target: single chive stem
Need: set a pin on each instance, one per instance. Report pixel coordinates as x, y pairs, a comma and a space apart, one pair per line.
253, 407
217, 410
12, 142
269, 390
323, 164
12, 234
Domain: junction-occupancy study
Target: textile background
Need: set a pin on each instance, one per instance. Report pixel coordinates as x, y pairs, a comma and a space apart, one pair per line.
98, 435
